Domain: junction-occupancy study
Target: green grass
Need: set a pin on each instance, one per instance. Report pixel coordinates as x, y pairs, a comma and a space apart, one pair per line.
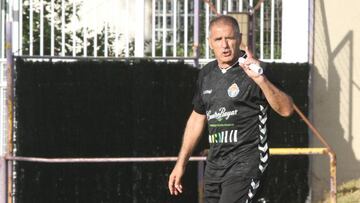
348, 192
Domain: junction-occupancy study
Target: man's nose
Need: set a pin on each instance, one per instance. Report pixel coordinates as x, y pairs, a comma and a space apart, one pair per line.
224, 43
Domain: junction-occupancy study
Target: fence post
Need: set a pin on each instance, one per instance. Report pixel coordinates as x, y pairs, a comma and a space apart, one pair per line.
251, 34
3, 180
200, 174
9, 102
196, 45
139, 35
332, 157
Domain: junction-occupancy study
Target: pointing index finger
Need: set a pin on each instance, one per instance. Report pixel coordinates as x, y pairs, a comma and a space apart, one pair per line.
248, 52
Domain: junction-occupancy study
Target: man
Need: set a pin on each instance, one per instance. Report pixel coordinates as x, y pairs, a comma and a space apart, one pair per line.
233, 100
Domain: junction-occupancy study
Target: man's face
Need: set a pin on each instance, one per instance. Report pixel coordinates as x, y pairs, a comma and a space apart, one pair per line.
225, 43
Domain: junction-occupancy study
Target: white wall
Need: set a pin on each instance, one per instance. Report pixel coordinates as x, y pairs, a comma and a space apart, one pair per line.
336, 89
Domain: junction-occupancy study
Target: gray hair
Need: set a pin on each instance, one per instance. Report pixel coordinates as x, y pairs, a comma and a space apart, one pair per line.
228, 20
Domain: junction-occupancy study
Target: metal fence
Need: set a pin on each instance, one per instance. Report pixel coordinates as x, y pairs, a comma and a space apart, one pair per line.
163, 29
166, 28
6, 163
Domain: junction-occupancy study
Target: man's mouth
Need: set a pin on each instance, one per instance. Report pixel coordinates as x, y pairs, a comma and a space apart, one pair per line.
226, 52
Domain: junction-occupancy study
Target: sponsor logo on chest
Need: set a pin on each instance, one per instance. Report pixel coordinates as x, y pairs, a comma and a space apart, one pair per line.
220, 114
227, 136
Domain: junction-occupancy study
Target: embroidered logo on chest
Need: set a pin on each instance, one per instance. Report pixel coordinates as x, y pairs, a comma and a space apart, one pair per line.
233, 90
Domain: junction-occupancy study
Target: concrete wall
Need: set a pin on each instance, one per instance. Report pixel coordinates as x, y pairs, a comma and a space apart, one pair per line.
335, 89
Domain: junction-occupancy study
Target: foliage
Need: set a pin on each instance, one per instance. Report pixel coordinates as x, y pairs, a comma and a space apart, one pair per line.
70, 19
113, 37
36, 12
